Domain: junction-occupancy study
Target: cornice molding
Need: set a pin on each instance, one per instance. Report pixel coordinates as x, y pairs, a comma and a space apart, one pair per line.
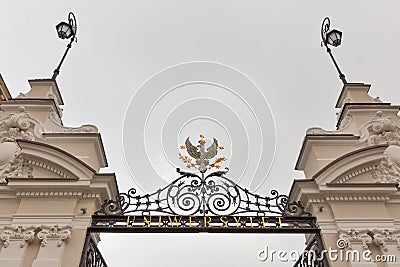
355, 172
50, 166
57, 156
49, 194
357, 198
348, 162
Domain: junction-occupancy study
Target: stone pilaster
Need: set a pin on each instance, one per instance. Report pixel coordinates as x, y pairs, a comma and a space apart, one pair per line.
52, 245
388, 240
15, 241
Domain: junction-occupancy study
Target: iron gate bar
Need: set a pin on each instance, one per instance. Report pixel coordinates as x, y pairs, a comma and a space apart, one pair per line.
91, 256
316, 245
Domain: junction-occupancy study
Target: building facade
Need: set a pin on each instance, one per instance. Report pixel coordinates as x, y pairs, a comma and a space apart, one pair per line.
50, 183
352, 177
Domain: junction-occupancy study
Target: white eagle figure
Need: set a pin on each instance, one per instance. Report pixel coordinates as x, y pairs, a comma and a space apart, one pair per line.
200, 154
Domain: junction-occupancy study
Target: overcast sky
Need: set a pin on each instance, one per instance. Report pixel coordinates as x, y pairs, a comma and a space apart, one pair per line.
121, 45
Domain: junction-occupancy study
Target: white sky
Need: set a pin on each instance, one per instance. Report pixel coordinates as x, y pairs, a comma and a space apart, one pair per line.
277, 45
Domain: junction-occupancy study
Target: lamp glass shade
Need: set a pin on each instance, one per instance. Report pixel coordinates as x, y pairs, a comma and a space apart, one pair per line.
64, 30
334, 37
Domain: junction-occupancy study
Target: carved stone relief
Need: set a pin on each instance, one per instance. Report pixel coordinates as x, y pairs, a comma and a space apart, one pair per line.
379, 237
347, 121
55, 232
352, 235
55, 126
26, 235
19, 233
388, 170
380, 130
19, 167
16, 126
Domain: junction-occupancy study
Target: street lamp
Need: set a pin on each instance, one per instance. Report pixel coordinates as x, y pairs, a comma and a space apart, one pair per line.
66, 30
333, 38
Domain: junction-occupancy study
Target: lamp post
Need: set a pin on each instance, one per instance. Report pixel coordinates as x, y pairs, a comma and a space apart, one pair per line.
66, 30
333, 38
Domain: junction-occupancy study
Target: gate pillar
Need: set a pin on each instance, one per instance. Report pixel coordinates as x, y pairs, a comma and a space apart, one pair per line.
50, 183
351, 177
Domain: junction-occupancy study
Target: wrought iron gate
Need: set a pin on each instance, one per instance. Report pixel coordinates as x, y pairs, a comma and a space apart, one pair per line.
203, 203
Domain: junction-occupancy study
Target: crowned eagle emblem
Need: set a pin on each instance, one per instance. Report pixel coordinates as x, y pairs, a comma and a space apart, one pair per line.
201, 155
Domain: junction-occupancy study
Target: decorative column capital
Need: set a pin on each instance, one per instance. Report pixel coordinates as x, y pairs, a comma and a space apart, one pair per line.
381, 236
18, 233
352, 235
55, 232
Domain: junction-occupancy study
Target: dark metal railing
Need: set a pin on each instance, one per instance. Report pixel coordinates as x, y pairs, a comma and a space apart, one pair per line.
313, 255
91, 256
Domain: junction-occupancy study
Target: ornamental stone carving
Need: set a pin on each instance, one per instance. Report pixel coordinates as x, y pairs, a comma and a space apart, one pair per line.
19, 167
352, 235
388, 170
56, 126
18, 233
13, 163
53, 115
16, 126
82, 129
347, 121
386, 235
55, 232
380, 130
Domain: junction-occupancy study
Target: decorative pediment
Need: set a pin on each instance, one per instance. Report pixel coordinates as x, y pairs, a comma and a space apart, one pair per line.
358, 174
53, 162
383, 167
354, 167
31, 159
28, 166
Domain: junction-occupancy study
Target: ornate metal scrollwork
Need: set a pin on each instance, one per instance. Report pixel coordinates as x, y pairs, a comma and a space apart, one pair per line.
312, 255
191, 194
91, 256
